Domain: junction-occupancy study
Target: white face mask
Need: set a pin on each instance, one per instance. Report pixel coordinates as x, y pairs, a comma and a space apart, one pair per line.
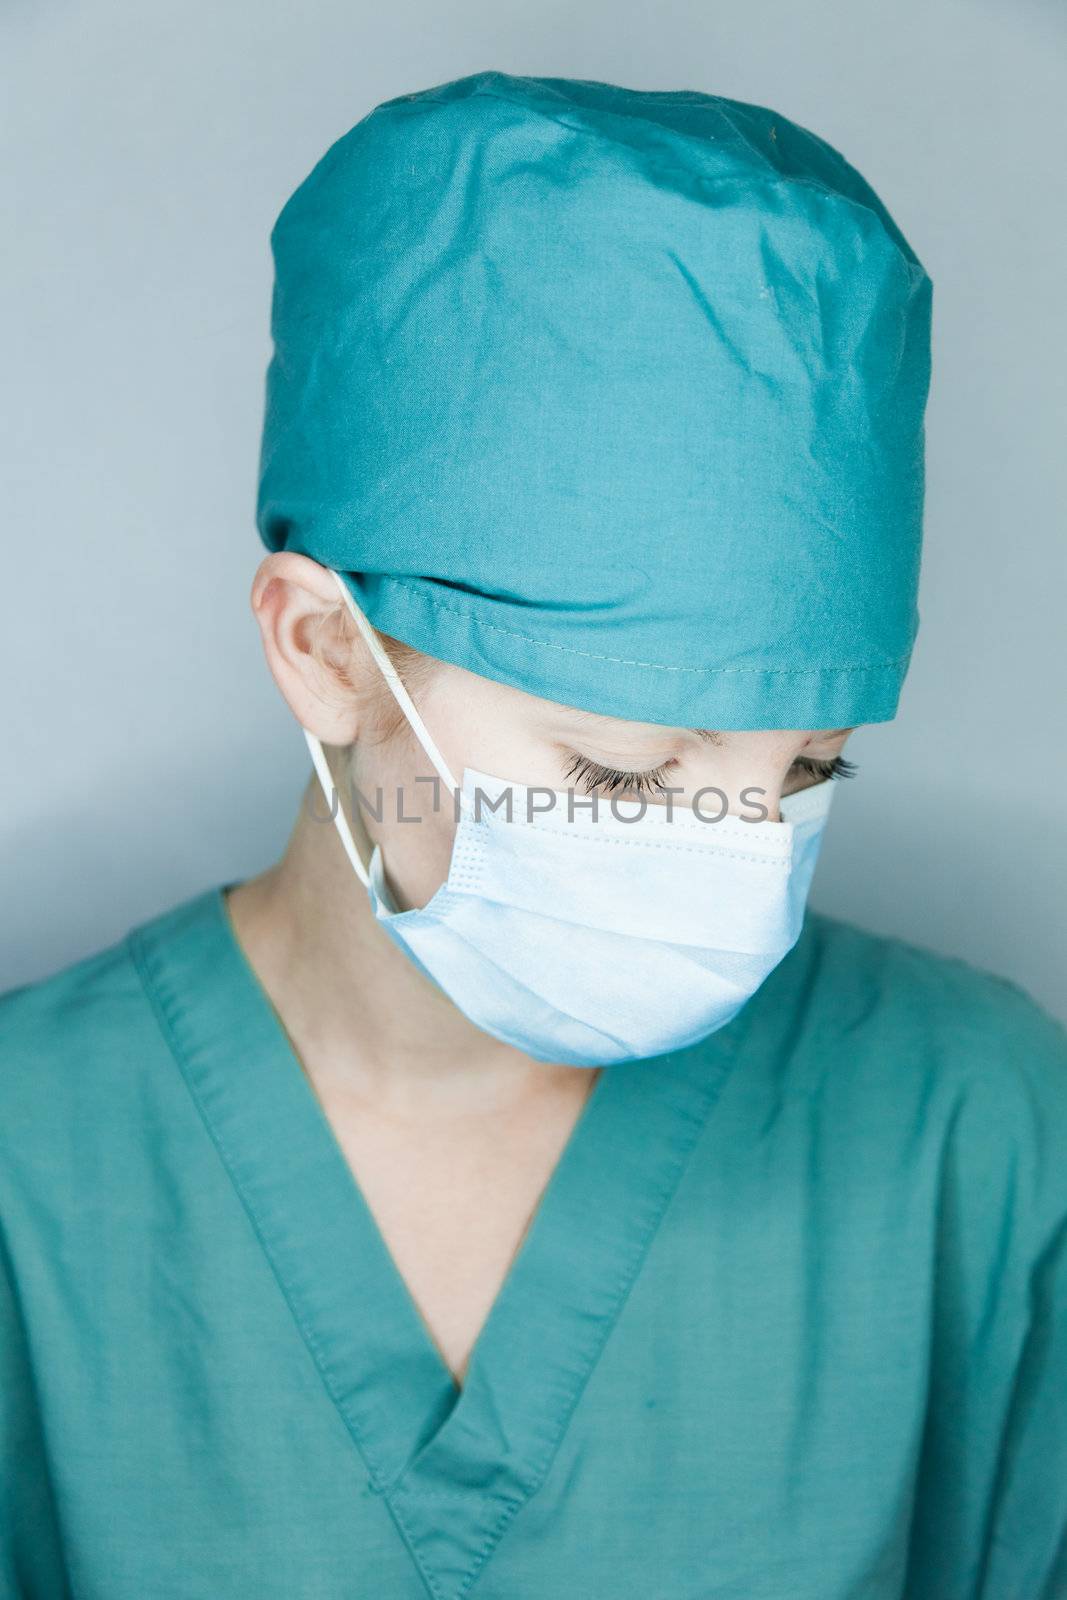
596, 940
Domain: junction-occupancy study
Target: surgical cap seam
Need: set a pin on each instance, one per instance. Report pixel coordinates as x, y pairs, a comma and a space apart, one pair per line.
666, 168
626, 661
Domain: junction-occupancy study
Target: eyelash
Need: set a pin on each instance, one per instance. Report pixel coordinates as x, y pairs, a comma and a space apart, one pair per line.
837, 768
595, 777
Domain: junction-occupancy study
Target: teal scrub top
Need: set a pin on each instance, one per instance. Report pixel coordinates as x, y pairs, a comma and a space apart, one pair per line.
790, 1321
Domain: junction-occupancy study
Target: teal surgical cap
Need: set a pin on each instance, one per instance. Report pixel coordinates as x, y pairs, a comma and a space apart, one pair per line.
612, 395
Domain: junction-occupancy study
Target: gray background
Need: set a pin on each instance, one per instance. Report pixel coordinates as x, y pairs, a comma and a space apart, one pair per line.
147, 150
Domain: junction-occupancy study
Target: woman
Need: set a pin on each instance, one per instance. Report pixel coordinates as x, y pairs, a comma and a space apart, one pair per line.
564, 1212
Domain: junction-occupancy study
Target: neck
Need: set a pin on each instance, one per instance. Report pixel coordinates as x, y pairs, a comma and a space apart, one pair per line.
361, 1017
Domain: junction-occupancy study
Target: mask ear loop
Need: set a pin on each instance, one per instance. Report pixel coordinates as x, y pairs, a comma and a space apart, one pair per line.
392, 678
407, 706
333, 800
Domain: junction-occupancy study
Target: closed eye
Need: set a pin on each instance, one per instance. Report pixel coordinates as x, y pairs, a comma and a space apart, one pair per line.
837, 768
595, 778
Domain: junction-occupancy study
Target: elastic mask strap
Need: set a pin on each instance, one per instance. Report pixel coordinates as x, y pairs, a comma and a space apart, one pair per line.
407, 706
392, 678
333, 800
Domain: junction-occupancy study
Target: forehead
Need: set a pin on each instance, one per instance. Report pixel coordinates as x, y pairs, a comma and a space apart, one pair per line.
619, 729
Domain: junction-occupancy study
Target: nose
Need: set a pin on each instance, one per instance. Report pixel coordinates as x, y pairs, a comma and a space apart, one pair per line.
753, 777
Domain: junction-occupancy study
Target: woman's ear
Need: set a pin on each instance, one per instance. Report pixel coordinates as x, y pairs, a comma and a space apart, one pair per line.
313, 651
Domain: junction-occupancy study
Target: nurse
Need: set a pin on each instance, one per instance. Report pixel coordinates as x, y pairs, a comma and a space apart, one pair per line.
515, 1191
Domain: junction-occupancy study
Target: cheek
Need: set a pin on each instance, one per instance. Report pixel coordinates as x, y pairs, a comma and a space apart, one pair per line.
491, 728
498, 746
417, 853
408, 816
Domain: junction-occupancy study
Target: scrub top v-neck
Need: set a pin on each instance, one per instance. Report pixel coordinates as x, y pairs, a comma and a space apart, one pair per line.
789, 1322
454, 1465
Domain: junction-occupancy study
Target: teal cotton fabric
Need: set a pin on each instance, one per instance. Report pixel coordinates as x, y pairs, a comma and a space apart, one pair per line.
790, 1320
612, 395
